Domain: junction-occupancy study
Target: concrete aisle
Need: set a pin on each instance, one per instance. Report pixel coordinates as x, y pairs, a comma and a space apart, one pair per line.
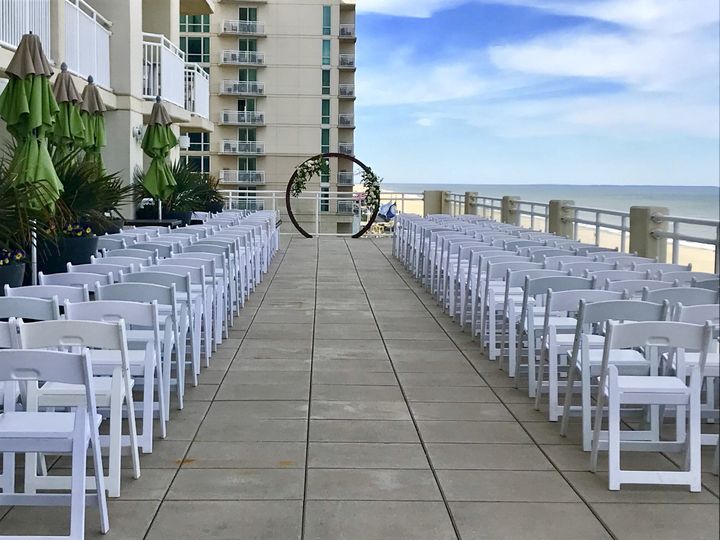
346, 406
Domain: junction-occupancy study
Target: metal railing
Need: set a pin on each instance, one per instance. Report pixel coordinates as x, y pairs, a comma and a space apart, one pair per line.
346, 91
238, 118
87, 42
253, 58
346, 120
405, 202
163, 69
241, 147
346, 148
347, 30
345, 207
675, 236
345, 178
488, 207
537, 212
18, 17
595, 218
197, 90
242, 88
243, 27
347, 60
255, 178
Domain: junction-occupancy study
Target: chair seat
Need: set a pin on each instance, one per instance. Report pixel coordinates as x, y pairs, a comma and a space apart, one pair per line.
39, 425
108, 358
712, 364
557, 322
57, 394
634, 384
619, 357
568, 340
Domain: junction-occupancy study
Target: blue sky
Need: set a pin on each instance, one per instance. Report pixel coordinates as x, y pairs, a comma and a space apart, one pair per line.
539, 91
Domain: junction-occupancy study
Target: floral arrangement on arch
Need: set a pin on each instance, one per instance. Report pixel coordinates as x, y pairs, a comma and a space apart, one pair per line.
12, 256
319, 165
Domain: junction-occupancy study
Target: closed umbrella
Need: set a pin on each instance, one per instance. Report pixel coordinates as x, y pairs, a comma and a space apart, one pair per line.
69, 130
91, 110
29, 108
157, 143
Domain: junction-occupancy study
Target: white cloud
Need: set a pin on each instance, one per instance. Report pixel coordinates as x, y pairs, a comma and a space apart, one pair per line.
425, 121
406, 8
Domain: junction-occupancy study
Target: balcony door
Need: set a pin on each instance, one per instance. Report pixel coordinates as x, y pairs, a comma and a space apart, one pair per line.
246, 164
247, 45
247, 14
247, 135
247, 75
246, 105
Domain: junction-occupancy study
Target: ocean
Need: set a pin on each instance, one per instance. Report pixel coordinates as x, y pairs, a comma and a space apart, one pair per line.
685, 201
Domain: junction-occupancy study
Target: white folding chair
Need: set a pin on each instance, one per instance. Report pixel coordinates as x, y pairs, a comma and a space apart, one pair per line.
654, 391
72, 432
9, 394
62, 293
75, 279
36, 309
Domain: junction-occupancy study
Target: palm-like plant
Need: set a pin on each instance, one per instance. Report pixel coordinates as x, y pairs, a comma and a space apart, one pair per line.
16, 215
193, 190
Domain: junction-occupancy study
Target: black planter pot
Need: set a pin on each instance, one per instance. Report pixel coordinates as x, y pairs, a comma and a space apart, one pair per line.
11, 274
151, 212
53, 258
185, 217
215, 207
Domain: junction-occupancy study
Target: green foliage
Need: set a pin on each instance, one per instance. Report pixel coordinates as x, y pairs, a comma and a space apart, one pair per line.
305, 172
193, 191
371, 182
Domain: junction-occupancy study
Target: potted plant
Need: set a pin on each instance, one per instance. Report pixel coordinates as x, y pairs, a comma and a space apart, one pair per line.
193, 191
214, 200
89, 205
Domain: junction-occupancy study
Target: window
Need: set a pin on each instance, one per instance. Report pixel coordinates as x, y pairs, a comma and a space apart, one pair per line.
324, 199
325, 112
247, 164
326, 52
196, 49
327, 18
247, 135
247, 75
247, 104
199, 163
247, 14
324, 141
199, 141
326, 82
247, 45
195, 23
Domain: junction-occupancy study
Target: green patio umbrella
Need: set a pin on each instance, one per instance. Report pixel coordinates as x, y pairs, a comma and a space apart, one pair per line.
29, 108
91, 110
69, 130
157, 143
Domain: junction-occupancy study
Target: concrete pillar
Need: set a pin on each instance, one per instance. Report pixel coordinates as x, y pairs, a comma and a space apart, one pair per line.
447, 206
433, 202
470, 200
123, 153
57, 35
559, 216
509, 212
162, 17
642, 227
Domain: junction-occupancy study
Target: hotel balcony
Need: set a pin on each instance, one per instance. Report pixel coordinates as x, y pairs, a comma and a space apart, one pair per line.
346, 120
345, 207
242, 28
346, 148
241, 148
345, 178
242, 118
242, 58
86, 35
346, 91
347, 61
246, 178
242, 88
163, 69
197, 90
347, 31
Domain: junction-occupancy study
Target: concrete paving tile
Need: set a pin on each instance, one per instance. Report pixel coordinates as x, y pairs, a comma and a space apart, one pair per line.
184, 424
129, 520
201, 392
227, 520
515, 521
269, 376
151, 486
392, 431
349, 349
505, 486
478, 412
282, 316
448, 431
234, 388
210, 376
372, 484
525, 412
355, 377
430, 365
300, 331
549, 433
519, 457
337, 392
275, 410
358, 364
593, 487
237, 484
377, 520
349, 318
347, 331
270, 364
440, 379
512, 395
366, 456
568, 457
660, 521
247, 455
276, 348
359, 410
236, 428
450, 394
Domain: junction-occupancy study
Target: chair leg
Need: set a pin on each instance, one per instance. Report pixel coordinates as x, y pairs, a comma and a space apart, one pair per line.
569, 394
613, 438
694, 441
115, 448
99, 480
77, 493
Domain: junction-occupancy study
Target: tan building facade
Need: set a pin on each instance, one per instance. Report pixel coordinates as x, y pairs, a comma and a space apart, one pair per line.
282, 89
131, 49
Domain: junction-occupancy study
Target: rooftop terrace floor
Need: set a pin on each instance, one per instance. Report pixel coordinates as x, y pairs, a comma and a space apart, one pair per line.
347, 406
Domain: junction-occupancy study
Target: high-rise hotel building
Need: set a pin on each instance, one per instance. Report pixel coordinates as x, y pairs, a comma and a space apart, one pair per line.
282, 89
